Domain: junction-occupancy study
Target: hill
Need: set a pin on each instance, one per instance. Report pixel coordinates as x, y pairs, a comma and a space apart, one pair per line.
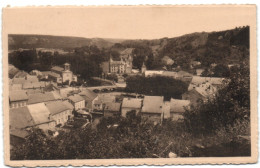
57, 42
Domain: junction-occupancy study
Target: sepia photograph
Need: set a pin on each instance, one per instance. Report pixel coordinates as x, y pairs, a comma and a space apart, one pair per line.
129, 85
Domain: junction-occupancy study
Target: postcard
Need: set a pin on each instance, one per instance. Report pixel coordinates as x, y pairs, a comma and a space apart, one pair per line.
130, 85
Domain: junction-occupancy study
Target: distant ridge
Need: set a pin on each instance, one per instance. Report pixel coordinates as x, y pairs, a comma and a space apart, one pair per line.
28, 41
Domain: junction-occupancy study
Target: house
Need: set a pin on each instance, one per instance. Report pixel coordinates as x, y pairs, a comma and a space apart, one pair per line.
21, 74
152, 109
195, 64
97, 105
170, 74
41, 98
199, 71
20, 120
26, 79
14, 87
151, 73
41, 116
35, 72
34, 85
198, 80
77, 101
198, 93
120, 67
101, 100
12, 71
177, 108
89, 97
62, 74
60, 111
166, 60
112, 109
18, 98
124, 65
131, 104
184, 76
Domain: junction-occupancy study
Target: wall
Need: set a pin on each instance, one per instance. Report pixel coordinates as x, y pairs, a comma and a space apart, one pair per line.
62, 117
18, 104
67, 76
153, 117
79, 105
126, 110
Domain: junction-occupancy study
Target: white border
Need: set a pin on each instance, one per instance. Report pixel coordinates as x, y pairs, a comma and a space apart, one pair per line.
12, 3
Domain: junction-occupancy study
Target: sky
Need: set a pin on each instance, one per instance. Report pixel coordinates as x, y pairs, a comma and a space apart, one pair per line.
124, 22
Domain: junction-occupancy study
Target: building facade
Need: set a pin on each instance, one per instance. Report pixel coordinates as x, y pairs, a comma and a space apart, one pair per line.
62, 74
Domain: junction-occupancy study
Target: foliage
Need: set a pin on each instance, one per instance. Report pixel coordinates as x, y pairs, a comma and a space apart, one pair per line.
232, 103
156, 86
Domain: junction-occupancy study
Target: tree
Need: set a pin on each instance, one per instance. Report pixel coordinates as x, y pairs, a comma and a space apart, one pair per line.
156, 86
221, 70
232, 103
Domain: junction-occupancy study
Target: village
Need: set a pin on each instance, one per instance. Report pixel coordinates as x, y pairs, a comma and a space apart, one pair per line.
37, 99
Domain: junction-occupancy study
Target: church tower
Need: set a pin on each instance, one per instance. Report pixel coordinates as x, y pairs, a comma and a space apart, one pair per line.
66, 67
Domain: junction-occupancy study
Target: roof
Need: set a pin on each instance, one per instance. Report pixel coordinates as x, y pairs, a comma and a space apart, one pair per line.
19, 133
76, 98
179, 106
184, 73
18, 95
147, 73
206, 90
105, 98
18, 80
127, 51
35, 72
152, 104
39, 113
41, 97
112, 106
50, 87
20, 118
57, 107
212, 80
12, 71
170, 74
88, 94
68, 104
15, 87
57, 68
54, 74
31, 78
56, 95
46, 72
31, 85
21, 74
132, 103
